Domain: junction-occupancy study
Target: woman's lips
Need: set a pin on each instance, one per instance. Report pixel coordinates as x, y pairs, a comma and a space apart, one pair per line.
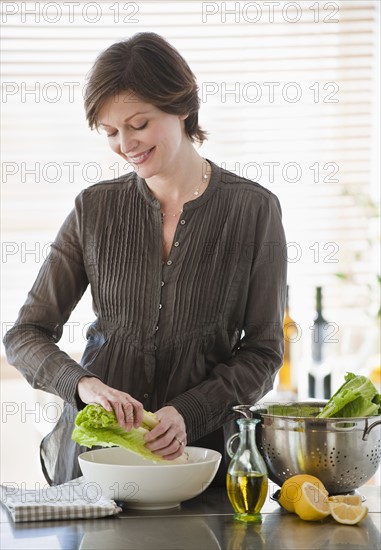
141, 157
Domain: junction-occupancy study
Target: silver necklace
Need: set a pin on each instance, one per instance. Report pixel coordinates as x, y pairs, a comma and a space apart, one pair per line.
194, 193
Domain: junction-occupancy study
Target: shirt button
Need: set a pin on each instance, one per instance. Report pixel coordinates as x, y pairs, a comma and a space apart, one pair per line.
176, 243
183, 222
155, 347
145, 395
162, 283
156, 329
169, 262
160, 306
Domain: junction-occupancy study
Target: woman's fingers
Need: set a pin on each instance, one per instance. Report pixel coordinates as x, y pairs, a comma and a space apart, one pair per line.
174, 450
168, 439
167, 446
124, 412
128, 411
138, 413
174, 455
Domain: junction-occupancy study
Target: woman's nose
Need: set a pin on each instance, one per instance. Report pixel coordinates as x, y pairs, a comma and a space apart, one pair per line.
127, 143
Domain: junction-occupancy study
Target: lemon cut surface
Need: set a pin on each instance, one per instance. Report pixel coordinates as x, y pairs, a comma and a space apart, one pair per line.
349, 514
353, 500
313, 503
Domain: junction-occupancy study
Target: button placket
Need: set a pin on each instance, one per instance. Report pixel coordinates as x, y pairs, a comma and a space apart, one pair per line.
169, 262
176, 243
178, 229
159, 307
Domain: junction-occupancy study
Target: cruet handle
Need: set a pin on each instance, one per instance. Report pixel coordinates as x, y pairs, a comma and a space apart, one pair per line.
229, 444
245, 410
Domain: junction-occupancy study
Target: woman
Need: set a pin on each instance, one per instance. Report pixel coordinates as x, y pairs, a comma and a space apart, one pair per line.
186, 266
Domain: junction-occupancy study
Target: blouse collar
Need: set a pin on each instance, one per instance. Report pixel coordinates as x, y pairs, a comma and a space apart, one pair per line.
190, 205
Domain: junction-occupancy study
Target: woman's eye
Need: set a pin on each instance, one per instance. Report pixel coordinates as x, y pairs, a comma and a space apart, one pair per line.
140, 127
114, 133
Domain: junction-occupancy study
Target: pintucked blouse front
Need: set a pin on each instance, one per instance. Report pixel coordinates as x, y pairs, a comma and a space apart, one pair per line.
201, 331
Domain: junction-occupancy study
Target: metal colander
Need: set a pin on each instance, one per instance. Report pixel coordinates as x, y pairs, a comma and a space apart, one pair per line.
343, 453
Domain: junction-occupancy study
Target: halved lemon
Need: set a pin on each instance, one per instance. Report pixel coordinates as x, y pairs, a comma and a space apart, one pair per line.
353, 500
313, 503
349, 514
291, 490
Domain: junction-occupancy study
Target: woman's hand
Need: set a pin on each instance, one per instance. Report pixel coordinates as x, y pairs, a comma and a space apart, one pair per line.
128, 410
169, 438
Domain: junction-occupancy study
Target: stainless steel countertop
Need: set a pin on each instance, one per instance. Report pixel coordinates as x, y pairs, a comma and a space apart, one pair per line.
203, 523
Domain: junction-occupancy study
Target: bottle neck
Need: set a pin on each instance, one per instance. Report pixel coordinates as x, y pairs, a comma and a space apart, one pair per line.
319, 304
319, 332
247, 431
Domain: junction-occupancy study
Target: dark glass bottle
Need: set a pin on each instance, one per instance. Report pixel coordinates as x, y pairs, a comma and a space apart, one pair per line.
319, 381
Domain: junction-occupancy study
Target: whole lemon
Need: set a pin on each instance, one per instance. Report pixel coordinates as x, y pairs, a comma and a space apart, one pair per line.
291, 490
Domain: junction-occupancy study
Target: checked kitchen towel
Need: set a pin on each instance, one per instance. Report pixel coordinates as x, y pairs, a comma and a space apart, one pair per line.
75, 499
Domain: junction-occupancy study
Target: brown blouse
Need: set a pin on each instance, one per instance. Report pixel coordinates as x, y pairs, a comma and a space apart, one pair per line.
202, 331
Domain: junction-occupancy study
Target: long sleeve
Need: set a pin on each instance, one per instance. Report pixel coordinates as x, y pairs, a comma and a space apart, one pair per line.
250, 373
31, 345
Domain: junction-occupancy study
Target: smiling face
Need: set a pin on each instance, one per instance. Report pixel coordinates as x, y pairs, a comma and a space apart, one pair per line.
151, 140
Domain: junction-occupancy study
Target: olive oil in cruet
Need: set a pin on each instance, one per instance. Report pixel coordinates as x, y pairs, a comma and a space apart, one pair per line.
246, 479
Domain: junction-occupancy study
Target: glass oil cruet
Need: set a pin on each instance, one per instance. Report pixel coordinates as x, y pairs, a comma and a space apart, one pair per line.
246, 479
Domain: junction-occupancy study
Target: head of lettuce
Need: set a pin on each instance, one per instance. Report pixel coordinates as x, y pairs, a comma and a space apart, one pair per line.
356, 397
96, 426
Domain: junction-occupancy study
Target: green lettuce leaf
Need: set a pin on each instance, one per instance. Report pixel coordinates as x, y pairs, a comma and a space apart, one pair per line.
294, 410
358, 407
356, 397
96, 426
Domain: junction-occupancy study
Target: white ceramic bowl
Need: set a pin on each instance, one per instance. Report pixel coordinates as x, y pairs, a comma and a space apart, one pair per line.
125, 476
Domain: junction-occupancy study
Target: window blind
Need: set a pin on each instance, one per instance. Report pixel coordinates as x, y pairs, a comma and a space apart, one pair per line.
288, 94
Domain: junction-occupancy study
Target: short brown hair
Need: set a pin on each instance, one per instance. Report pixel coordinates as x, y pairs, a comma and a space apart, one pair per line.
147, 65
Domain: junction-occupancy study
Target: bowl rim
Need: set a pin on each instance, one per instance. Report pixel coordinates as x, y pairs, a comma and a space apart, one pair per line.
212, 460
